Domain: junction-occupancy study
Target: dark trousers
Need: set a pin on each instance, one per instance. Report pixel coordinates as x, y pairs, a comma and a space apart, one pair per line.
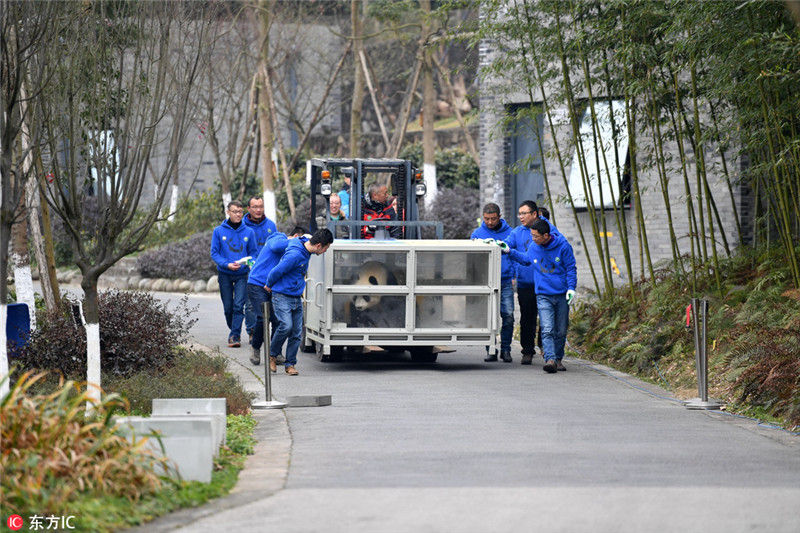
257, 295
528, 312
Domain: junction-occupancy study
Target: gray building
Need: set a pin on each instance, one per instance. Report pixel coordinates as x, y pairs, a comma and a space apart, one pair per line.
520, 162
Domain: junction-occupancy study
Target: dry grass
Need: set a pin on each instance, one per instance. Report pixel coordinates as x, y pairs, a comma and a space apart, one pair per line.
52, 450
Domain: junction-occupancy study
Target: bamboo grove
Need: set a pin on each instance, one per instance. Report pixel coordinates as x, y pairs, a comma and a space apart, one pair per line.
710, 93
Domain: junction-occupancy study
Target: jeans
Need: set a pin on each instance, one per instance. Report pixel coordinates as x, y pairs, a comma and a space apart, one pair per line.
528, 313
289, 313
554, 320
233, 291
257, 295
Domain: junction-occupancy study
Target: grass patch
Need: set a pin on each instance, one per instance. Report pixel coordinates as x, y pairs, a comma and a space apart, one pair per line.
753, 335
192, 374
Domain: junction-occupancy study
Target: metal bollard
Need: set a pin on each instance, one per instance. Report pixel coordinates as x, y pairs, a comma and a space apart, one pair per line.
269, 403
700, 328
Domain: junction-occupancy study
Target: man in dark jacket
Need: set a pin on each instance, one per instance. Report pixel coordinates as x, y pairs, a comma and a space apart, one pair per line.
496, 228
377, 208
231, 244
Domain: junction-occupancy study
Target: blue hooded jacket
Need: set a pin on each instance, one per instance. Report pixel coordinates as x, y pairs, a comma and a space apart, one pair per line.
262, 230
554, 270
229, 245
520, 240
267, 259
507, 268
289, 275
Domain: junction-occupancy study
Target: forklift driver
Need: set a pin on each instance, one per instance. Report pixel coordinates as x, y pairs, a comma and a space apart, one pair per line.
376, 208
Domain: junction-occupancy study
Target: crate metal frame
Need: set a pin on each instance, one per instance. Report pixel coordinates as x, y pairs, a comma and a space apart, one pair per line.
320, 292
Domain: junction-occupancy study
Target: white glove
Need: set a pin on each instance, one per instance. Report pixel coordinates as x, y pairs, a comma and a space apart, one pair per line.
570, 297
504, 248
489, 241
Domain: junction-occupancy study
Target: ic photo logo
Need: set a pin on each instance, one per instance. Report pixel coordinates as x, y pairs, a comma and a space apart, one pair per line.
14, 522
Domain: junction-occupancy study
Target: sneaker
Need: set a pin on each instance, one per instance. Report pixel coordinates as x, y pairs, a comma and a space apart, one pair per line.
255, 357
273, 365
491, 358
527, 359
281, 359
234, 342
550, 366
506, 357
291, 370
560, 366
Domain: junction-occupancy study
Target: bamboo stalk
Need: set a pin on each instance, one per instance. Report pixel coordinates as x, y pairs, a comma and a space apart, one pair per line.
597, 150
655, 129
559, 156
701, 173
580, 154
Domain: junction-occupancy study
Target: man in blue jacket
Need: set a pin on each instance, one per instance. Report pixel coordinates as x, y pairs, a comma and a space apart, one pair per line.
231, 242
256, 293
262, 228
520, 240
555, 277
286, 282
496, 228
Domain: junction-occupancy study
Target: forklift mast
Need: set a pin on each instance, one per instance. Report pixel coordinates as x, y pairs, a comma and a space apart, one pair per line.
404, 181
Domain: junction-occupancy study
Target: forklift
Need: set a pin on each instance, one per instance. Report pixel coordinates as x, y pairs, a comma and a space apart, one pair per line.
400, 292
402, 179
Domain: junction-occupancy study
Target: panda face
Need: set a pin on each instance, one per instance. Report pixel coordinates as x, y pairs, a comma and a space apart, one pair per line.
372, 273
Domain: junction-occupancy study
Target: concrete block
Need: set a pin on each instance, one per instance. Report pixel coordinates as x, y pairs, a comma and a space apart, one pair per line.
213, 284
188, 441
215, 407
199, 286
309, 401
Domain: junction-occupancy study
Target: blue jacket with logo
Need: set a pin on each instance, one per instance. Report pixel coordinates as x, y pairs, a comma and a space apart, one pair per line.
554, 270
289, 275
520, 240
503, 230
262, 230
267, 259
229, 245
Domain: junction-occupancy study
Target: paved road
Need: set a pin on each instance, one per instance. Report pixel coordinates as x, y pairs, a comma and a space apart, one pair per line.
462, 445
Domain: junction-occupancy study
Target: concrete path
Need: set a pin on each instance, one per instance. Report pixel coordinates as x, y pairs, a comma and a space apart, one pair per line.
463, 445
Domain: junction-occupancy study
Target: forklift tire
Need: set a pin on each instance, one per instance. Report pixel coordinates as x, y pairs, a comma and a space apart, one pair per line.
423, 355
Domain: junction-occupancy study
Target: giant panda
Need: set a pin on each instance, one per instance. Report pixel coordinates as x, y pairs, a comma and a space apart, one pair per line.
366, 310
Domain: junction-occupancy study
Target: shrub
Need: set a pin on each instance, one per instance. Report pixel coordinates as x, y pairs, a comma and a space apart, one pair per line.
458, 209
57, 344
187, 259
52, 452
192, 374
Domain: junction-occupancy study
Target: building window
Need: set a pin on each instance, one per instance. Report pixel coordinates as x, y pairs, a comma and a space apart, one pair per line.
607, 167
524, 159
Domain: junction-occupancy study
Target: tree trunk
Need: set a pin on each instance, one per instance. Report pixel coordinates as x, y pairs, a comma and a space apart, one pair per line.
357, 103
91, 319
264, 121
428, 112
21, 264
